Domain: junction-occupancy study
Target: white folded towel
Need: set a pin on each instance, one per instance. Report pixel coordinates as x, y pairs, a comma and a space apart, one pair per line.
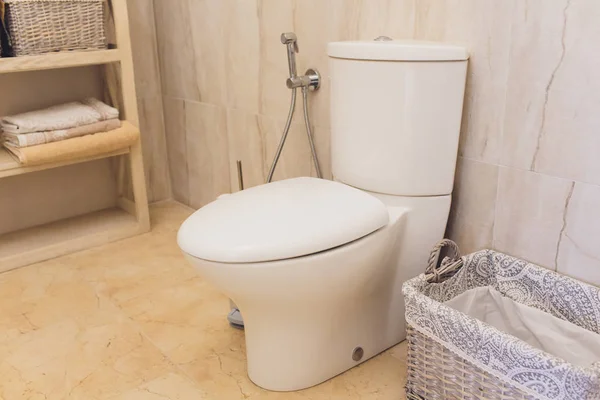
64, 116
37, 138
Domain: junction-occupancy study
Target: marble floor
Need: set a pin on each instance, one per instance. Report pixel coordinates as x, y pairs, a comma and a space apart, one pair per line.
132, 320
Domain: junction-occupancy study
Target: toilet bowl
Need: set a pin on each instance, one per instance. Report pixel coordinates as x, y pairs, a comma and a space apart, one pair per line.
316, 267
305, 315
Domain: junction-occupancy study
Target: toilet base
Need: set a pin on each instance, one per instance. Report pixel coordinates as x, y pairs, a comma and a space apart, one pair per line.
304, 317
308, 346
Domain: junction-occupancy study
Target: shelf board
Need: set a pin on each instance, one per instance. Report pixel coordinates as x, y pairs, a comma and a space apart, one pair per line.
66, 59
9, 166
66, 236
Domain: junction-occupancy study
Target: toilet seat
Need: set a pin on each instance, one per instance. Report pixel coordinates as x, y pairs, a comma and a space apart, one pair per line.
281, 220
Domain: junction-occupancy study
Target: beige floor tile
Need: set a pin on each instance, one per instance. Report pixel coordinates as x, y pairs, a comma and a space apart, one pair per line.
171, 386
91, 352
47, 293
399, 351
129, 270
179, 317
135, 267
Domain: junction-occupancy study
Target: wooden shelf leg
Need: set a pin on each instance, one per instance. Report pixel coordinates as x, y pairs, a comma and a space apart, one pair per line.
127, 81
138, 182
120, 166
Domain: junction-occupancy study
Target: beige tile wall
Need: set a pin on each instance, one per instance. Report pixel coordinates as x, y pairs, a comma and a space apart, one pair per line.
149, 93
224, 70
528, 174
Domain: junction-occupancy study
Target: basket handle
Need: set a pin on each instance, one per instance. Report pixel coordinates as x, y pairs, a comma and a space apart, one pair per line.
449, 266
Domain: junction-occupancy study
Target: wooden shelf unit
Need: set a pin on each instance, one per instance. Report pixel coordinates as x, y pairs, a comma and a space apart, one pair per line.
11, 167
68, 59
55, 239
130, 217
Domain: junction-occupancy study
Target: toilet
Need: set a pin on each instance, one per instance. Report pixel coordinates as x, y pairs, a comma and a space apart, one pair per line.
316, 267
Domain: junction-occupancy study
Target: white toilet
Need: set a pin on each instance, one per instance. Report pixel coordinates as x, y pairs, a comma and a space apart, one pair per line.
316, 267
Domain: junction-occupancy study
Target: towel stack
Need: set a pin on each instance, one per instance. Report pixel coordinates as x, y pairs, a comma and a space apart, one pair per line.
58, 123
68, 131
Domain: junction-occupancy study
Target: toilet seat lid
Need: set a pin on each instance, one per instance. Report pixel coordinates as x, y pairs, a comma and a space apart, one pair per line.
280, 220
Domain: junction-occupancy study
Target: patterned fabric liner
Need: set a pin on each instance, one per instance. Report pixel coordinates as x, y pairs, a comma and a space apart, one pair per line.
534, 371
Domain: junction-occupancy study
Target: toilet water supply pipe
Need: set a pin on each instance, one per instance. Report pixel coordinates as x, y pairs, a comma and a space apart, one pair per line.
311, 80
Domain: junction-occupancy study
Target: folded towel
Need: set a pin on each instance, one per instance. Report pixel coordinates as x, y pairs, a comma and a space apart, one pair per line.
106, 111
76, 148
64, 116
36, 138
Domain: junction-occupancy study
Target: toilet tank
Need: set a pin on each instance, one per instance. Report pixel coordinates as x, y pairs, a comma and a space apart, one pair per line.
396, 110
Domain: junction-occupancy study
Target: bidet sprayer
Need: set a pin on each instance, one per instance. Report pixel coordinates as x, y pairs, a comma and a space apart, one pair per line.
311, 80
291, 41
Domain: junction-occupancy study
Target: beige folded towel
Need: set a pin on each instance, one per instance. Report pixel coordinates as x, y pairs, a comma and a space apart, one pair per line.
77, 148
37, 138
64, 116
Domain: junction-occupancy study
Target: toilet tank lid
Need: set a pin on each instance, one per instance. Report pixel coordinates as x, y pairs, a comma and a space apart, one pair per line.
397, 50
281, 220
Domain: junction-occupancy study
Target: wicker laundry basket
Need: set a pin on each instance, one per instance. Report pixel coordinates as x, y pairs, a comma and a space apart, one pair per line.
44, 26
454, 356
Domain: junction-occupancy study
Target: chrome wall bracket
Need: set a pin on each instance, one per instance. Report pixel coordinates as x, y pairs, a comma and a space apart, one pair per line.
311, 79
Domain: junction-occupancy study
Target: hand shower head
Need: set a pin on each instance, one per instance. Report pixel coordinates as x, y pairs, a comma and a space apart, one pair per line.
289, 37
291, 41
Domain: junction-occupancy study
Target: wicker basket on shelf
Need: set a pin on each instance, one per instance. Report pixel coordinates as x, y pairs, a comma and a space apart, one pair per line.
44, 26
